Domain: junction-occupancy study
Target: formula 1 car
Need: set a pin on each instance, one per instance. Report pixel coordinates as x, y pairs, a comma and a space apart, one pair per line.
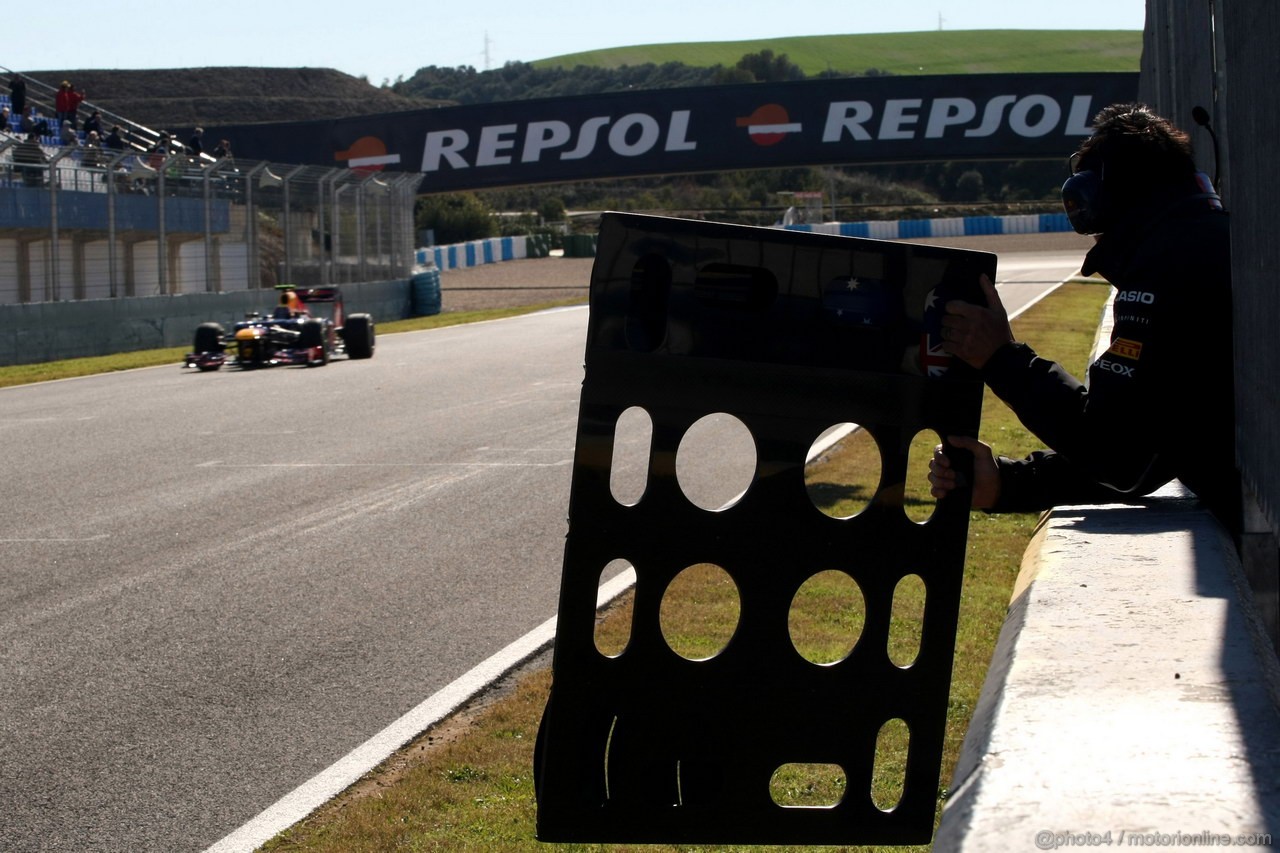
308, 327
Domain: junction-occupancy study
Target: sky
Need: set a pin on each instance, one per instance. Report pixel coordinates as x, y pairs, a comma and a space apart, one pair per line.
400, 37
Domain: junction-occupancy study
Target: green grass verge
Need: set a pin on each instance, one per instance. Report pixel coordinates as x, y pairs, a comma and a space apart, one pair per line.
474, 790
24, 374
933, 52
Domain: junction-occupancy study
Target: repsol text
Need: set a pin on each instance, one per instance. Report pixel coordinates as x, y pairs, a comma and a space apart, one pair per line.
846, 122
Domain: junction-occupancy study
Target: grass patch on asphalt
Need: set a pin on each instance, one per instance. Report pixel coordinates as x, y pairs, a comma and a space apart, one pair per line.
25, 374
469, 785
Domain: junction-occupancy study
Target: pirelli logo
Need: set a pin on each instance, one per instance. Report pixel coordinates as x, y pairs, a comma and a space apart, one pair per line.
1125, 348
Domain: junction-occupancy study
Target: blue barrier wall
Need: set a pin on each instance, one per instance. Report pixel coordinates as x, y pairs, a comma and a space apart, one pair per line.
958, 226
474, 253
20, 207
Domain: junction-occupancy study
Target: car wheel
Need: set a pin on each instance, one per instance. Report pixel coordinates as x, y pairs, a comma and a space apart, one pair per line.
208, 338
312, 333
359, 336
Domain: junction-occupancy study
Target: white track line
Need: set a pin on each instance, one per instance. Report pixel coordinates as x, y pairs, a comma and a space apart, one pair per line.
336, 778
348, 770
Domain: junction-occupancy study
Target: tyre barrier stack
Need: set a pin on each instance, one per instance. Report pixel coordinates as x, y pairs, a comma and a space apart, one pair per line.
424, 291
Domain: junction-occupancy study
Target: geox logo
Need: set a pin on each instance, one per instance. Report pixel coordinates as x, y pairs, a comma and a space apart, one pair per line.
1114, 367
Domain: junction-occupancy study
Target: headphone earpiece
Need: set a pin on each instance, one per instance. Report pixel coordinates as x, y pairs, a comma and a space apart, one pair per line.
1085, 200
1207, 191
1088, 204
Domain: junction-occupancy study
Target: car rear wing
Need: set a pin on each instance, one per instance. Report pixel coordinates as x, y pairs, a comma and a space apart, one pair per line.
319, 294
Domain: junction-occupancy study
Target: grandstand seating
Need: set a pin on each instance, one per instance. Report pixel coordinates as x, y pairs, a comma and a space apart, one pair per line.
71, 171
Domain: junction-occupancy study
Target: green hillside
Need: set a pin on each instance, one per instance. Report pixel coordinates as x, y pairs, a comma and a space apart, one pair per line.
935, 52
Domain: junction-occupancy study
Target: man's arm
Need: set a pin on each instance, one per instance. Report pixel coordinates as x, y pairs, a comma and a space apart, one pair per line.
1041, 480
1104, 428
1045, 479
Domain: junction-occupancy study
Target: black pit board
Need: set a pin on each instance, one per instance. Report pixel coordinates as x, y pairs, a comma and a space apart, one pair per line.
791, 333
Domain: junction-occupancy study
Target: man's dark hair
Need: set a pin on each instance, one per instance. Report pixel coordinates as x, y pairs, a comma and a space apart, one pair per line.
1137, 151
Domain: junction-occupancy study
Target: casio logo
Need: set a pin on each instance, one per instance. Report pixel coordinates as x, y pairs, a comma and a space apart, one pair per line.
1136, 296
1114, 367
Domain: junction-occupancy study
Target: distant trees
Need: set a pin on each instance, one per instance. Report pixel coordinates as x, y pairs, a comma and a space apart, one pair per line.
455, 217
519, 80
767, 68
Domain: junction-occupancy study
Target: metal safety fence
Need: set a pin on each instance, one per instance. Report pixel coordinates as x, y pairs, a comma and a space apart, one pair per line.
88, 223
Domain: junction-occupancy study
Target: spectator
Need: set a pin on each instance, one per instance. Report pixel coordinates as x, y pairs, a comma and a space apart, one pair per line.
93, 124
29, 161
223, 149
5, 119
114, 140
68, 136
94, 157
66, 102
18, 94
195, 145
33, 122
160, 151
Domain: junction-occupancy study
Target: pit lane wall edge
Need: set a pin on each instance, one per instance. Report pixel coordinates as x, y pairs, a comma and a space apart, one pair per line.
1132, 695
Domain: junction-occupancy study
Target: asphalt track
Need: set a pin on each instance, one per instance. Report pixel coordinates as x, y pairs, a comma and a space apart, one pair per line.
217, 586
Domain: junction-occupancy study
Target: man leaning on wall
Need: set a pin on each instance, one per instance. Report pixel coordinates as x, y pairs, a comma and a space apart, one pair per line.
1158, 404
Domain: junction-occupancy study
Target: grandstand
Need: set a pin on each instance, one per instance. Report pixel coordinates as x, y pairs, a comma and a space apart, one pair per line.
150, 218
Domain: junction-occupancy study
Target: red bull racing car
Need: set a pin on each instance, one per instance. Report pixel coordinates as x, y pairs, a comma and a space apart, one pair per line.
308, 327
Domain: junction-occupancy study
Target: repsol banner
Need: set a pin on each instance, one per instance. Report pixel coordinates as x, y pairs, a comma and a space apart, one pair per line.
705, 129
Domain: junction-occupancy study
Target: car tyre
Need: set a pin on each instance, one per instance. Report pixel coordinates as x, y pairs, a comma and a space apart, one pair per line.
208, 338
315, 333
359, 336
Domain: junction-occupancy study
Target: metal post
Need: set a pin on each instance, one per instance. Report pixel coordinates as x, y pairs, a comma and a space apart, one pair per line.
363, 266
380, 201
286, 222
324, 265
112, 260
251, 227
406, 202
55, 277
393, 197
208, 232
336, 243
162, 254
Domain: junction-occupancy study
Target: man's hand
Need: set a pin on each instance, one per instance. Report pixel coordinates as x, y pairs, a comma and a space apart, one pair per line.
986, 476
973, 333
